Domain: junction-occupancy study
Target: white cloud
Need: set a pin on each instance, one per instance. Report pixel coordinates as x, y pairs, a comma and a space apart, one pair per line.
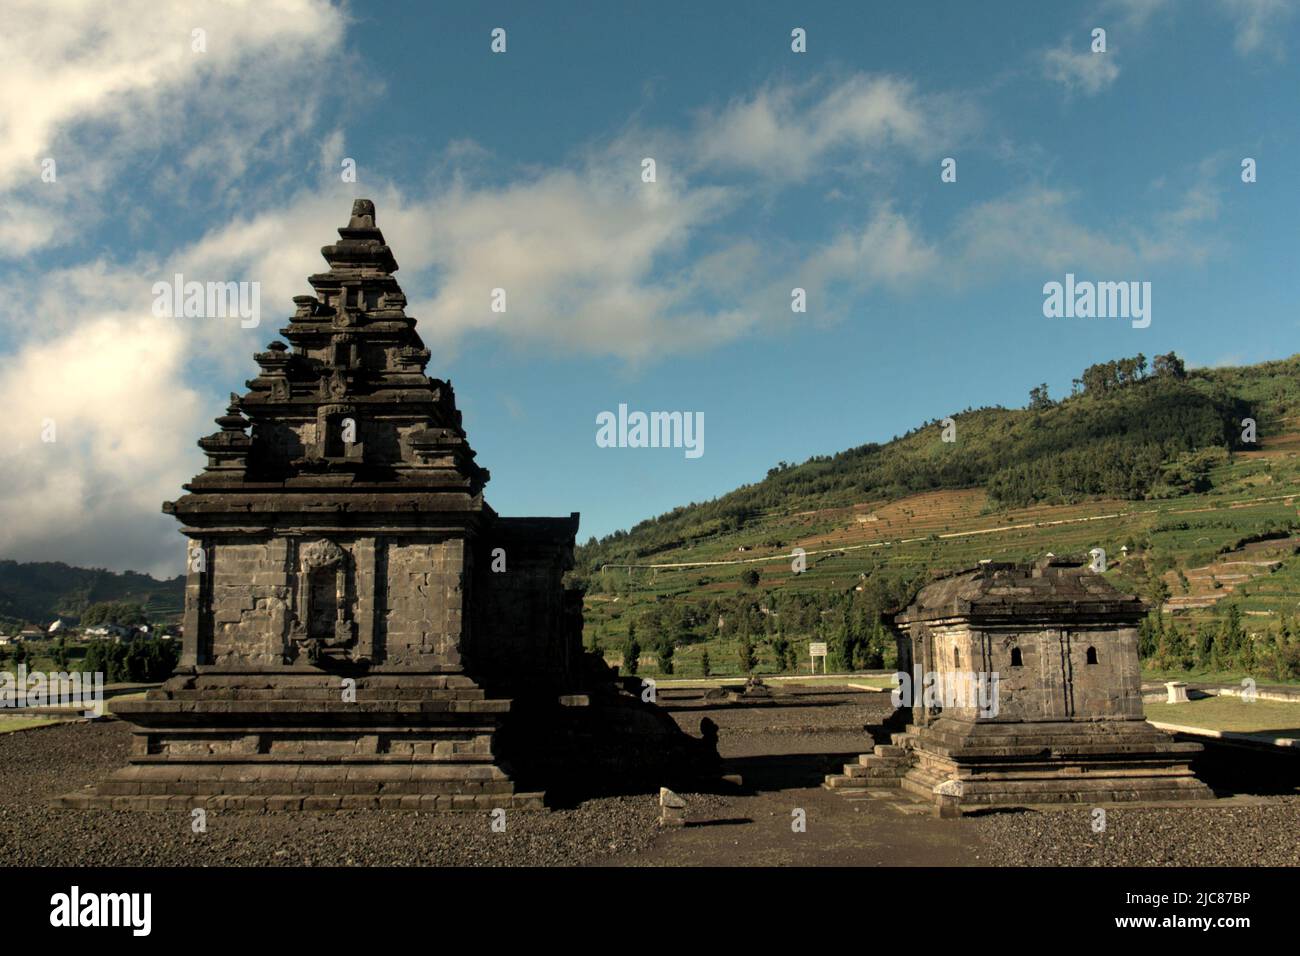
1084, 72
576, 253
1258, 23
886, 251
124, 424
1038, 228
94, 86
786, 132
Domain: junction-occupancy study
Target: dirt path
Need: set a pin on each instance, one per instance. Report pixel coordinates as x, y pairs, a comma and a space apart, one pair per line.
782, 754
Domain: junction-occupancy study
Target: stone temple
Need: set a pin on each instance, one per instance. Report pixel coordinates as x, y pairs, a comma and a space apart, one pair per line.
1068, 724
361, 628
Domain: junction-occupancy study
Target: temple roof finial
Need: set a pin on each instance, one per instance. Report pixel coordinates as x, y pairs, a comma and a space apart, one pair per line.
363, 214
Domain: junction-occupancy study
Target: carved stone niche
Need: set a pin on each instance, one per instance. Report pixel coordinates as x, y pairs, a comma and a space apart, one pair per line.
335, 425
322, 626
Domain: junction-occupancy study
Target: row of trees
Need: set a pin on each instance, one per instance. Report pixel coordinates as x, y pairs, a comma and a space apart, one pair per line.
1222, 646
1129, 444
121, 613
774, 625
143, 660
60, 655
1107, 376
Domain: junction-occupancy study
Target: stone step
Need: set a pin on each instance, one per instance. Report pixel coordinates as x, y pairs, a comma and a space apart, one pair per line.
858, 771
856, 785
890, 750
842, 782
875, 760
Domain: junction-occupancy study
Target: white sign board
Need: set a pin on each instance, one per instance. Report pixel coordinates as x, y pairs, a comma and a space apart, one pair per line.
816, 649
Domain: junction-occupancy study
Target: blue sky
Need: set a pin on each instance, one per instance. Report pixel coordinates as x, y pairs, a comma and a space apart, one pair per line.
522, 170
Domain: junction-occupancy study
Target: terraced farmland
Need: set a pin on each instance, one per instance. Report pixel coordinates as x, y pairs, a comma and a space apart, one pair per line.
1201, 546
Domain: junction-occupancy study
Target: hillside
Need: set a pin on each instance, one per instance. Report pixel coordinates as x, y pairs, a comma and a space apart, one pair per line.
38, 592
1151, 463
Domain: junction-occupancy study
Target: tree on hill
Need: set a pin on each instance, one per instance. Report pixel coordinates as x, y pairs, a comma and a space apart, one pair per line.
843, 642
783, 651
1286, 651
631, 656
873, 651
750, 577
1174, 653
120, 613
1150, 635
1230, 639
745, 655
1169, 365
1039, 399
664, 649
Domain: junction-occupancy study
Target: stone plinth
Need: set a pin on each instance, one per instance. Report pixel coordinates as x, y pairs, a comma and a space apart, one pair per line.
289, 736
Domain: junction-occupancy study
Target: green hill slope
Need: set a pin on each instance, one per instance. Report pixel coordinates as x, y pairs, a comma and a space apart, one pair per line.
38, 592
1154, 468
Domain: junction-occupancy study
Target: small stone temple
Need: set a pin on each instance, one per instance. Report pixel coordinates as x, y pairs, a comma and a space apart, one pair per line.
361, 628
1063, 723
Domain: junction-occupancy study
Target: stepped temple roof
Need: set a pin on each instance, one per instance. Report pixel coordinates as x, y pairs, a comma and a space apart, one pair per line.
1051, 586
346, 405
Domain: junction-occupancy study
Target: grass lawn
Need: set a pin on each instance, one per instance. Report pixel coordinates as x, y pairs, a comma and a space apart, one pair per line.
1231, 713
9, 724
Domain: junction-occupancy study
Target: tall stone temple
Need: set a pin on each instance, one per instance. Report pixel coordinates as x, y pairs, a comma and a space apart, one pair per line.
1063, 723
361, 628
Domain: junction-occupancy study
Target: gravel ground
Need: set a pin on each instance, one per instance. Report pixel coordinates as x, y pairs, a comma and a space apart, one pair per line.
1267, 834
781, 748
792, 709
38, 764
1263, 833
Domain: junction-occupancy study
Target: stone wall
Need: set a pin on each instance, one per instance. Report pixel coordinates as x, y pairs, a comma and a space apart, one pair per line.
522, 640
251, 601
403, 597
1054, 679
423, 620
1112, 687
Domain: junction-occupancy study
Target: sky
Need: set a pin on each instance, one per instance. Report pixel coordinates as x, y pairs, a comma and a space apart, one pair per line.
133, 148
